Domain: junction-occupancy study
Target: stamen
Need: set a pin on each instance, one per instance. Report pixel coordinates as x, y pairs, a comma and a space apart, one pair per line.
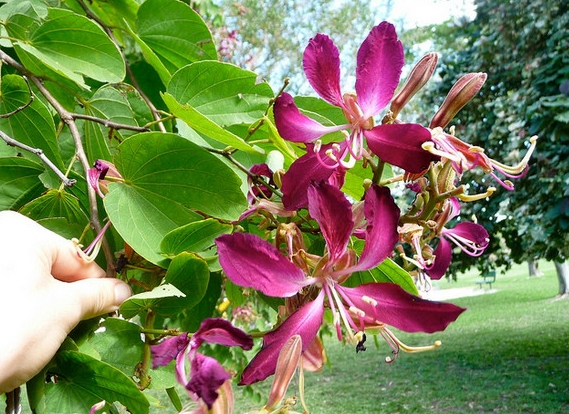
520, 167
468, 198
369, 301
361, 337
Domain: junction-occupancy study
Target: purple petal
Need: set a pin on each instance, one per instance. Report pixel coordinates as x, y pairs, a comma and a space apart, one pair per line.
305, 170
250, 261
221, 331
207, 376
382, 216
443, 258
295, 126
333, 212
168, 349
304, 322
321, 62
400, 145
380, 60
390, 304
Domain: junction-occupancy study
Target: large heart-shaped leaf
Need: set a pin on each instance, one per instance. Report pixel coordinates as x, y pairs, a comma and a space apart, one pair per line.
84, 381
74, 46
166, 179
175, 33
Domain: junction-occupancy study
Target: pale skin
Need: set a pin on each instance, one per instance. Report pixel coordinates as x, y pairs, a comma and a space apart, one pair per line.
45, 290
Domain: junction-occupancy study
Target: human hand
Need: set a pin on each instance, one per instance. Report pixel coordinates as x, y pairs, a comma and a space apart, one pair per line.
45, 290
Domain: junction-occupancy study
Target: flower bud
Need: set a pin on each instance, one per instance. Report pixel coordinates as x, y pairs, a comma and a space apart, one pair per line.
459, 95
287, 362
418, 77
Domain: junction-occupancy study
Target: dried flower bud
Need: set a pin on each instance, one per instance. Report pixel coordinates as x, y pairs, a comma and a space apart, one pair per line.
459, 95
418, 77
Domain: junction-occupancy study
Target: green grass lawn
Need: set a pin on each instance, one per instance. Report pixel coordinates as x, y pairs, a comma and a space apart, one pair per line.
508, 353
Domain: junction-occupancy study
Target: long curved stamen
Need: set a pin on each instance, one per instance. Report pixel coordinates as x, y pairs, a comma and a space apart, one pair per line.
475, 197
336, 321
397, 345
329, 153
466, 245
521, 166
346, 319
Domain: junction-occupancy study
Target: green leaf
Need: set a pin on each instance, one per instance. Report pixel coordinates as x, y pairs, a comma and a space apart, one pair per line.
119, 344
190, 274
19, 182
387, 271
166, 178
110, 104
175, 33
84, 381
195, 316
73, 45
151, 57
204, 125
194, 237
142, 301
223, 92
56, 203
33, 125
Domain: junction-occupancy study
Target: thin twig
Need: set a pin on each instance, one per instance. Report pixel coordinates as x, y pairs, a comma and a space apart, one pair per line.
68, 182
109, 124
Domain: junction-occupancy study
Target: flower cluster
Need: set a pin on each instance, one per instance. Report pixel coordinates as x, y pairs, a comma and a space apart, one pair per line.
307, 199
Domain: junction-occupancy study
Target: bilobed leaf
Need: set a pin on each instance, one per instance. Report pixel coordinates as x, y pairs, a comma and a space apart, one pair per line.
19, 182
33, 125
166, 179
190, 274
175, 33
84, 381
204, 125
194, 237
142, 301
74, 46
225, 93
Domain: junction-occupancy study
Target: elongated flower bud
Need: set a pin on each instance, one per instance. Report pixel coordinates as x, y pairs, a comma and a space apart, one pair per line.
288, 361
459, 95
418, 77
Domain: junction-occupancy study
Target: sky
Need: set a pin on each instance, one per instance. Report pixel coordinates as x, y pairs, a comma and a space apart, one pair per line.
413, 13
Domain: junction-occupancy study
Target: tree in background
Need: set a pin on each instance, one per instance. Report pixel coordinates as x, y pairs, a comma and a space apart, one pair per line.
522, 45
268, 37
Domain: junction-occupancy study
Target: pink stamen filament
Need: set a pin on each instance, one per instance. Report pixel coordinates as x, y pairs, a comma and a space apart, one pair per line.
468, 246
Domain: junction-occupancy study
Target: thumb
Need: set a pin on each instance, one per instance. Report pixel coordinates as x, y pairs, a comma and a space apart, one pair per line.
96, 296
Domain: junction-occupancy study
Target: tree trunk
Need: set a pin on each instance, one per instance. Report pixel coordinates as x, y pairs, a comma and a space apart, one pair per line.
533, 269
563, 276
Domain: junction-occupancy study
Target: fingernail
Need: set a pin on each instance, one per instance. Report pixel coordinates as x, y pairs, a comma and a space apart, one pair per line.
122, 292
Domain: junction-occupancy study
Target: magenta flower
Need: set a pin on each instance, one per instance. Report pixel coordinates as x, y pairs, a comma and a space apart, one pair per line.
379, 63
471, 238
250, 261
207, 375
